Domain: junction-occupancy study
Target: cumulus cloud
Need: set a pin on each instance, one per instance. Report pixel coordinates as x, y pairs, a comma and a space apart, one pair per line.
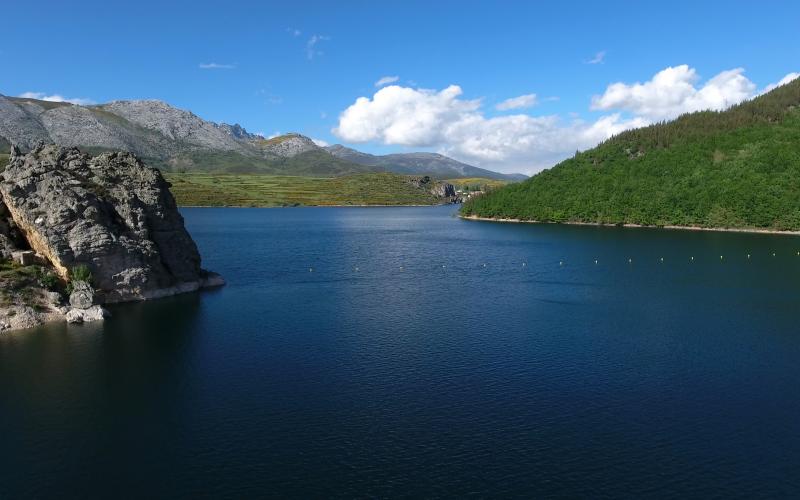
42, 96
444, 120
520, 102
674, 91
598, 58
783, 81
386, 80
457, 127
311, 46
320, 142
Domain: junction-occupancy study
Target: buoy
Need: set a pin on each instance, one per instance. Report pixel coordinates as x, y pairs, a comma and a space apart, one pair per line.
484, 265
773, 254
524, 264
630, 261
720, 257
748, 256
561, 263
691, 258
595, 261
662, 259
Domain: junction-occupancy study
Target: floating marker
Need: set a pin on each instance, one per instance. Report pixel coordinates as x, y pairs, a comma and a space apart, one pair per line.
773, 254
484, 265
748, 256
662, 259
630, 261
720, 257
561, 263
595, 261
691, 258
524, 264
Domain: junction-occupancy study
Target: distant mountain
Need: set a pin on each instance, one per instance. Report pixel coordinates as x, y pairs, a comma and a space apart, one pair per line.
177, 140
738, 168
432, 164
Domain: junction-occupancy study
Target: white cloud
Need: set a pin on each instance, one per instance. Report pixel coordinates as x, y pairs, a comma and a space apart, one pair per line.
783, 81
673, 91
520, 102
457, 127
320, 142
214, 65
311, 46
56, 98
598, 58
294, 31
386, 80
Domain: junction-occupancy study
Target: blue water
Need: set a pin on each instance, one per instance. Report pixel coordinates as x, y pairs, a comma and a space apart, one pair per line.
384, 352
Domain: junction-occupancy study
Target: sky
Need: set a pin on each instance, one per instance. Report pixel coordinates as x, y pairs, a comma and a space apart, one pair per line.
510, 86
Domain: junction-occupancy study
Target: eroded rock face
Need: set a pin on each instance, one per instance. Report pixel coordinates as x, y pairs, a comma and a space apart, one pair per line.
82, 296
111, 213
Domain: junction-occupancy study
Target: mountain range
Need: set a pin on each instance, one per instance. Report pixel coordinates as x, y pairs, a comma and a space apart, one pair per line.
179, 141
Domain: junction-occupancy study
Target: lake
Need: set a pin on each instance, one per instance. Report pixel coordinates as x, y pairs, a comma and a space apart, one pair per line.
382, 352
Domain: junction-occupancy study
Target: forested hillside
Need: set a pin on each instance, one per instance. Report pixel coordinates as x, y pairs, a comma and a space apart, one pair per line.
738, 168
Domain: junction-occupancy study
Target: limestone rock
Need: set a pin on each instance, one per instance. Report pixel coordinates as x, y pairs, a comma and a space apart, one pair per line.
94, 313
110, 213
82, 296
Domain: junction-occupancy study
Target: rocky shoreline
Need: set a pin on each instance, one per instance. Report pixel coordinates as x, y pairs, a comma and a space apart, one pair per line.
78, 232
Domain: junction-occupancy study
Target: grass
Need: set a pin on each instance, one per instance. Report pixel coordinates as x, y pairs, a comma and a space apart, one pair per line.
476, 183
259, 190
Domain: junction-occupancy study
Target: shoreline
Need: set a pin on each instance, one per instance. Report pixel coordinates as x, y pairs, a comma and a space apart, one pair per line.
313, 206
637, 226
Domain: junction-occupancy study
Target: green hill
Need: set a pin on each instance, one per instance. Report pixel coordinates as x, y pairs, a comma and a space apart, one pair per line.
738, 168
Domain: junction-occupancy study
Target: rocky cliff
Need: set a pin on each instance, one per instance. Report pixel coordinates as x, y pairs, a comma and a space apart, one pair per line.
109, 214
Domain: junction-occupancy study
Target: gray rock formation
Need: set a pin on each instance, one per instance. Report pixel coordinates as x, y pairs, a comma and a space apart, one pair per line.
94, 313
288, 145
110, 213
82, 296
437, 188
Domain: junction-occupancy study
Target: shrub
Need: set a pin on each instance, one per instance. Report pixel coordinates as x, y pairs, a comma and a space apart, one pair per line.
80, 273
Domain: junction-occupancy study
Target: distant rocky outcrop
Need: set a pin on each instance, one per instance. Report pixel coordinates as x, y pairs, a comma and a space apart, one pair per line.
110, 214
439, 189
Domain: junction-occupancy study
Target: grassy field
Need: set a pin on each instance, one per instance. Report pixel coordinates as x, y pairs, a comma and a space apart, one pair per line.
258, 190
476, 183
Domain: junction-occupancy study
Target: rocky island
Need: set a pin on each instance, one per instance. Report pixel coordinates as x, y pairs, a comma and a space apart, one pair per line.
77, 232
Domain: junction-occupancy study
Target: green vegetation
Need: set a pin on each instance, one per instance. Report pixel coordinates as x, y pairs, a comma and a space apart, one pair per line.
737, 168
255, 190
80, 273
19, 284
476, 183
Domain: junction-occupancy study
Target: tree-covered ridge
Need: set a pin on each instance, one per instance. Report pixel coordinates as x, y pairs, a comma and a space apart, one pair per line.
735, 168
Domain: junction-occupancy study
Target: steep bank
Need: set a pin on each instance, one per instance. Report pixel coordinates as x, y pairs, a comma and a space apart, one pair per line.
110, 216
736, 169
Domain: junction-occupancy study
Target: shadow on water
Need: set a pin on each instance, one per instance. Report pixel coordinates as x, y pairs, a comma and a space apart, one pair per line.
85, 389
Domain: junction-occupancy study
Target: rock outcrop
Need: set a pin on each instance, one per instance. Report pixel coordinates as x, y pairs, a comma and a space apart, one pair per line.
110, 213
439, 189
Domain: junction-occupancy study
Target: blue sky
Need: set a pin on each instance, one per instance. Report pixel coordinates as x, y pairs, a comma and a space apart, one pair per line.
301, 66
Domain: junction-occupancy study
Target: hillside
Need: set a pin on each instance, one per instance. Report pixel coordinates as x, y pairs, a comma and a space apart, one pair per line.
738, 168
433, 164
177, 140
228, 190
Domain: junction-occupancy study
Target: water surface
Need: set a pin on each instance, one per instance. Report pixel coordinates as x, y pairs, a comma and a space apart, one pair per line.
404, 352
